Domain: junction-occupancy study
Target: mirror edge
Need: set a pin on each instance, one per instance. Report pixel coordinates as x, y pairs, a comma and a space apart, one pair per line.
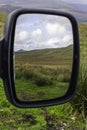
10, 72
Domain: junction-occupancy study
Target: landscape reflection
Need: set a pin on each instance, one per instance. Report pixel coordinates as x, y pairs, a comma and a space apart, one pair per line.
43, 48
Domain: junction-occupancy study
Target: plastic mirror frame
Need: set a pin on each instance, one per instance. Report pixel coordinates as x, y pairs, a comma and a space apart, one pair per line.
7, 66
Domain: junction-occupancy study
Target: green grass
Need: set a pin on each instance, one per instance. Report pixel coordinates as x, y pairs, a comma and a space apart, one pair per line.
45, 73
43, 78
2, 22
60, 117
80, 100
27, 91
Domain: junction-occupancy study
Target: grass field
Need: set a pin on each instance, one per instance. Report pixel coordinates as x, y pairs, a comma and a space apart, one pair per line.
43, 74
69, 116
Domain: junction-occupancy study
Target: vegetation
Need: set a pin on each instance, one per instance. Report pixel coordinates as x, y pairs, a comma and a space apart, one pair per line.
42, 74
2, 22
69, 116
80, 100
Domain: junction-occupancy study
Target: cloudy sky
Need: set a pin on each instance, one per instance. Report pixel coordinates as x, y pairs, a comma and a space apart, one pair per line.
28, 1
35, 31
76, 1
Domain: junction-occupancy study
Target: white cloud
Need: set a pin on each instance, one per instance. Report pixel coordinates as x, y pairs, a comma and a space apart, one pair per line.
55, 28
37, 35
52, 28
66, 38
62, 29
22, 36
51, 42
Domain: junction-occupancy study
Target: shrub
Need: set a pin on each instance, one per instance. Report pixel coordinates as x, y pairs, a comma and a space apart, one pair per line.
31, 73
26, 73
42, 80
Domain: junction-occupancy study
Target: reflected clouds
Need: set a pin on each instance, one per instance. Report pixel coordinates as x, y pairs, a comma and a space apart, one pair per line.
40, 31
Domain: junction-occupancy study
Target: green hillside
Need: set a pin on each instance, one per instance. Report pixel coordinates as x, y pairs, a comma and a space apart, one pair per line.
56, 56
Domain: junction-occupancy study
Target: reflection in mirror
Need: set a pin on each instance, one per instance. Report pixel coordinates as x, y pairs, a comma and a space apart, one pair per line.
43, 48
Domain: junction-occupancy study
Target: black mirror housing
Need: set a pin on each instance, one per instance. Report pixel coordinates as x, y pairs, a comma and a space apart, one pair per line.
7, 62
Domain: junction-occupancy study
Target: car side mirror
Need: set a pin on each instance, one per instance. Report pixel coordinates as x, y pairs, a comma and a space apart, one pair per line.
39, 57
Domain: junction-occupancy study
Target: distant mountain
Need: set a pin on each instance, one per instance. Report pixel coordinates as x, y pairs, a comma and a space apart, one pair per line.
78, 10
47, 56
8, 8
19, 51
80, 7
80, 16
10, 5
38, 3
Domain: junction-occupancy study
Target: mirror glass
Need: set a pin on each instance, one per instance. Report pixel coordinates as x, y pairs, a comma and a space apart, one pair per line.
43, 56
